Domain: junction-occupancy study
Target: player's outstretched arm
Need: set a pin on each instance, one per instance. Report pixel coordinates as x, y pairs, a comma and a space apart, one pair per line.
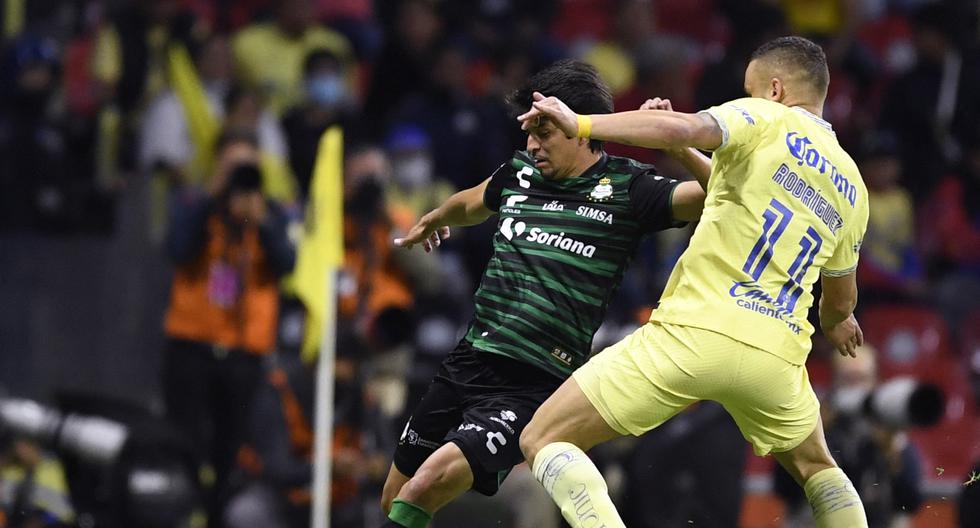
837, 303
461, 209
688, 201
645, 128
690, 158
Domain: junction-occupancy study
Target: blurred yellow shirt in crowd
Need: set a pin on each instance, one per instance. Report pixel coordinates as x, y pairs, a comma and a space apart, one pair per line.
891, 228
273, 61
814, 17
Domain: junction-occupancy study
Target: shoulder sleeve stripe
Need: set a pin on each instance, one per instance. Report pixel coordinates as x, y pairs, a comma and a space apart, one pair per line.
491, 195
721, 124
838, 273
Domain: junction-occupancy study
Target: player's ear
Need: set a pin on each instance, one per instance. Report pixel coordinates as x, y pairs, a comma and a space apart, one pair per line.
776, 90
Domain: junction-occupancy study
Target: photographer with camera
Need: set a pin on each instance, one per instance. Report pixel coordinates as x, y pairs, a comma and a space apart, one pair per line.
230, 248
865, 423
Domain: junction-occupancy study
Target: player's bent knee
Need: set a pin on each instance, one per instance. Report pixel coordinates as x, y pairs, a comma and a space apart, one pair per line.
531, 441
802, 463
428, 481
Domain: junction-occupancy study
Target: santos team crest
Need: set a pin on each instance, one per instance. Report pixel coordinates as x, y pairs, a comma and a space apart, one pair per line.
602, 191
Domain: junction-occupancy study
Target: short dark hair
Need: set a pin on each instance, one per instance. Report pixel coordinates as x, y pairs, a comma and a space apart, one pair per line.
576, 83
800, 53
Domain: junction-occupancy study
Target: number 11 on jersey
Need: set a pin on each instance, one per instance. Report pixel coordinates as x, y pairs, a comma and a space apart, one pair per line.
775, 219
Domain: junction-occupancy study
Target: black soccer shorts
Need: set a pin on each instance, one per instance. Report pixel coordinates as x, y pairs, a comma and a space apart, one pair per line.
481, 402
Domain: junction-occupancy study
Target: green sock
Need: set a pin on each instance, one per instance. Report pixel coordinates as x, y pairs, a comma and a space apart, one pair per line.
576, 486
409, 515
834, 501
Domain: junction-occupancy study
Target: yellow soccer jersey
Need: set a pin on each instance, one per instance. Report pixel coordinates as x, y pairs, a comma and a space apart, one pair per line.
785, 203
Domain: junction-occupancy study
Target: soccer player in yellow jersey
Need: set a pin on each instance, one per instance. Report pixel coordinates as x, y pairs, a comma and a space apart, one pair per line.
785, 206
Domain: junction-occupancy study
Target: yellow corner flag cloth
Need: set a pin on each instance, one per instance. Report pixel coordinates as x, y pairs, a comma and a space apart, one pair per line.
202, 124
321, 251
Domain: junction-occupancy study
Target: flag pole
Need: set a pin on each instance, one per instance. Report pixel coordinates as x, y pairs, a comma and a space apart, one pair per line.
324, 409
320, 257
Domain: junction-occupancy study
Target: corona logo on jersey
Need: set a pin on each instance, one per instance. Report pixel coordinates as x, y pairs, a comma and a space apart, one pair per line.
801, 149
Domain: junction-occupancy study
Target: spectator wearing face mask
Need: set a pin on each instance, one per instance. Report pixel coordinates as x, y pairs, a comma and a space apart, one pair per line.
327, 101
413, 189
270, 55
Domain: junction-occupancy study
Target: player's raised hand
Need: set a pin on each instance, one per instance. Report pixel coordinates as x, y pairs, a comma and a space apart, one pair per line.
846, 336
657, 104
554, 109
424, 233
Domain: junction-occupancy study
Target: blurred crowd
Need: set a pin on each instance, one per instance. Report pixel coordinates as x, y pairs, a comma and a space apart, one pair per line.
216, 108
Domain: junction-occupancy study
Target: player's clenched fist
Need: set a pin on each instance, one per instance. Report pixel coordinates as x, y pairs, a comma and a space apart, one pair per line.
657, 104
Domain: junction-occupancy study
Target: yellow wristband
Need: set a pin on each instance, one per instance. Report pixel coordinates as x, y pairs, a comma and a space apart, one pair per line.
584, 126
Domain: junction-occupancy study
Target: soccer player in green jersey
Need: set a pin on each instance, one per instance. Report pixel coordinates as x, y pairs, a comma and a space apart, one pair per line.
570, 218
786, 207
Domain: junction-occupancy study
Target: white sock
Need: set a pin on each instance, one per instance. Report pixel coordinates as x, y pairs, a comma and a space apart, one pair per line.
834, 500
576, 486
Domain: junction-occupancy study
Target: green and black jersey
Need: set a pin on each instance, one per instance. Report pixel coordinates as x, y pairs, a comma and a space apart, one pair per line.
559, 253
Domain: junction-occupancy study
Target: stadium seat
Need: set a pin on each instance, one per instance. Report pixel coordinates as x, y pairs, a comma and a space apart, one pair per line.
970, 338
911, 341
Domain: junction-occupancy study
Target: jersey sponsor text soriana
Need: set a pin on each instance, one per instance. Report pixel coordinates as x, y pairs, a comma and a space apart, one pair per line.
785, 203
559, 253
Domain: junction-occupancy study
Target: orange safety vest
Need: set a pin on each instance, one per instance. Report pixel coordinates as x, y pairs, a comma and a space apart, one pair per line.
369, 262
249, 323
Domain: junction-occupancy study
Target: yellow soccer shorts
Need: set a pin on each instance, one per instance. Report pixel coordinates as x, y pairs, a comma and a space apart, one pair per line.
660, 369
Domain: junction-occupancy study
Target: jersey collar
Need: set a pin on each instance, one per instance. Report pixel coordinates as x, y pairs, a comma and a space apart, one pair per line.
816, 118
593, 169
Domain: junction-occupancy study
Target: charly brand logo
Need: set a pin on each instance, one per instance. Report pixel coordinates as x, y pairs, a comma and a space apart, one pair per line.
602, 192
508, 415
800, 147
553, 206
499, 437
522, 174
